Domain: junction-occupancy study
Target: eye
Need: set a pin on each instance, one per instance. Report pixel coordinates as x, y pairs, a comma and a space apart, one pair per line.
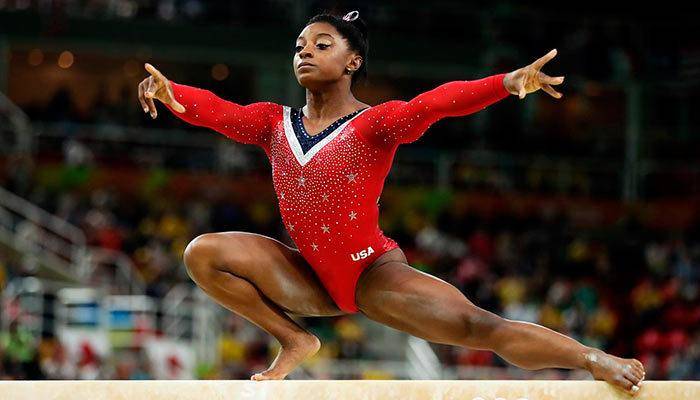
325, 46
297, 48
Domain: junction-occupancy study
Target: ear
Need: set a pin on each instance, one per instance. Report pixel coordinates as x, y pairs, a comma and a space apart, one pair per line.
355, 62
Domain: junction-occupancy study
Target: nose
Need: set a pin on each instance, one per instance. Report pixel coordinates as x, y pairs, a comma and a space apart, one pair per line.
304, 53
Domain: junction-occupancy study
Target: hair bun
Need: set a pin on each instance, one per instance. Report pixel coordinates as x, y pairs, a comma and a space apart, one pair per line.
353, 18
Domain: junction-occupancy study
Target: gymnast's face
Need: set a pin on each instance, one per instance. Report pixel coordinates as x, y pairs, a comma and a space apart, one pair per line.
322, 46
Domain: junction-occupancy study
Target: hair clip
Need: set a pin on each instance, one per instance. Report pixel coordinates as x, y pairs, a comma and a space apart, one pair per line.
351, 16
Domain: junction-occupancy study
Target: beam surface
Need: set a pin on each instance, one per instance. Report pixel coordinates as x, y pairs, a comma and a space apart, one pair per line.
345, 389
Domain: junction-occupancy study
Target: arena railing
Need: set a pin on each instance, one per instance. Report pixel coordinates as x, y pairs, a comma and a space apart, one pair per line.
45, 240
16, 132
38, 234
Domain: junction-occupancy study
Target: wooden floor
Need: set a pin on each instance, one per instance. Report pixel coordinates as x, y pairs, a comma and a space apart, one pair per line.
345, 390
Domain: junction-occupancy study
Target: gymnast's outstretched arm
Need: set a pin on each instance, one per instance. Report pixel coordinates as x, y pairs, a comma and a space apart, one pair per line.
243, 123
396, 122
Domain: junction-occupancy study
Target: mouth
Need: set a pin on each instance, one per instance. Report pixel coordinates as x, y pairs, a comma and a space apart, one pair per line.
305, 64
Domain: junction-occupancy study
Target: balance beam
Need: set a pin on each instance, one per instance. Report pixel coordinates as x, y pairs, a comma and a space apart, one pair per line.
345, 390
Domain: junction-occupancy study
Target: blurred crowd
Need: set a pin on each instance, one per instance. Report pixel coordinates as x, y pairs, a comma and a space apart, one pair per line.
163, 10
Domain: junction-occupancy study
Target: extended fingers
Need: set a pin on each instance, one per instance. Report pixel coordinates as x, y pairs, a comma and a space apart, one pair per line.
151, 88
544, 59
551, 91
152, 108
142, 99
149, 92
153, 71
544, 78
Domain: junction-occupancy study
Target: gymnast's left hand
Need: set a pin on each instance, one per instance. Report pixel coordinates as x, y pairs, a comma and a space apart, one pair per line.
530, 79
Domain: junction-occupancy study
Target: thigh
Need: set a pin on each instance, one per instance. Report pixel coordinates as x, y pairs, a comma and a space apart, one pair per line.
280, 272
418, 303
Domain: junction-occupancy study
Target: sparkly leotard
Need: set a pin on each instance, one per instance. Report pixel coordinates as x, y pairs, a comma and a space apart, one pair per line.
328, 185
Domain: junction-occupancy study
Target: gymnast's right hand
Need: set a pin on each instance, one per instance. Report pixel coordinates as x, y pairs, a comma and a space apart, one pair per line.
158, 87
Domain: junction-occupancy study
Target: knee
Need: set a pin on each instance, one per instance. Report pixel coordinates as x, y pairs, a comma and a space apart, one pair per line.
482, 327
198, 254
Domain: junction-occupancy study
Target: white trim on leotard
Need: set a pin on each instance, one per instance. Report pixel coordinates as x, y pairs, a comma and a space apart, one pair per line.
294, 141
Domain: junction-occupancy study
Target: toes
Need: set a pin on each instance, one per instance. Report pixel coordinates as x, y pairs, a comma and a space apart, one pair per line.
635, 389
643, 372
626, 384
633, 377
261, 376
633, 373
639, 368
258, 377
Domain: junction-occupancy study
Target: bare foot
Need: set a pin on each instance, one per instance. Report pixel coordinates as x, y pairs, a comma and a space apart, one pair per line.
290, 355
625, 373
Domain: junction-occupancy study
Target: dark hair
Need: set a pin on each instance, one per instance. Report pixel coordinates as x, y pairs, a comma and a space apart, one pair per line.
355, 32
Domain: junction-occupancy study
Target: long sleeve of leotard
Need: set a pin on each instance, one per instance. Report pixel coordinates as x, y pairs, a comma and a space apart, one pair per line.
243, 123
396, 121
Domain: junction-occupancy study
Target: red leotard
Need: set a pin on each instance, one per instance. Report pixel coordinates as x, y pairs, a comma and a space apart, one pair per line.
329, 196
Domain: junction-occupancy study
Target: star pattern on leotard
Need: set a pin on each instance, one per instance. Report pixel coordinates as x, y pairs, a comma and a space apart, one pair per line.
301, 180
291, 227
352, 215
351, 177
324, 197
282, 195
325, 228
314, 246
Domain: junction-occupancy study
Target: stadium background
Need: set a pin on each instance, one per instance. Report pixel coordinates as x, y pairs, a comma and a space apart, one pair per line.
580, 214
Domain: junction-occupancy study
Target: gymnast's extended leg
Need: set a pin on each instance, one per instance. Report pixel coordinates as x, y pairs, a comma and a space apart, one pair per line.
265, 281
425, 306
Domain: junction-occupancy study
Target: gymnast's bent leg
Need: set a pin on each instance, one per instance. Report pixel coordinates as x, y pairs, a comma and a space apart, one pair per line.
265, 281
425, 306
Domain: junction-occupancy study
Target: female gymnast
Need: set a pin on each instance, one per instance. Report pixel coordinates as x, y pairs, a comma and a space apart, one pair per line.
329, 161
